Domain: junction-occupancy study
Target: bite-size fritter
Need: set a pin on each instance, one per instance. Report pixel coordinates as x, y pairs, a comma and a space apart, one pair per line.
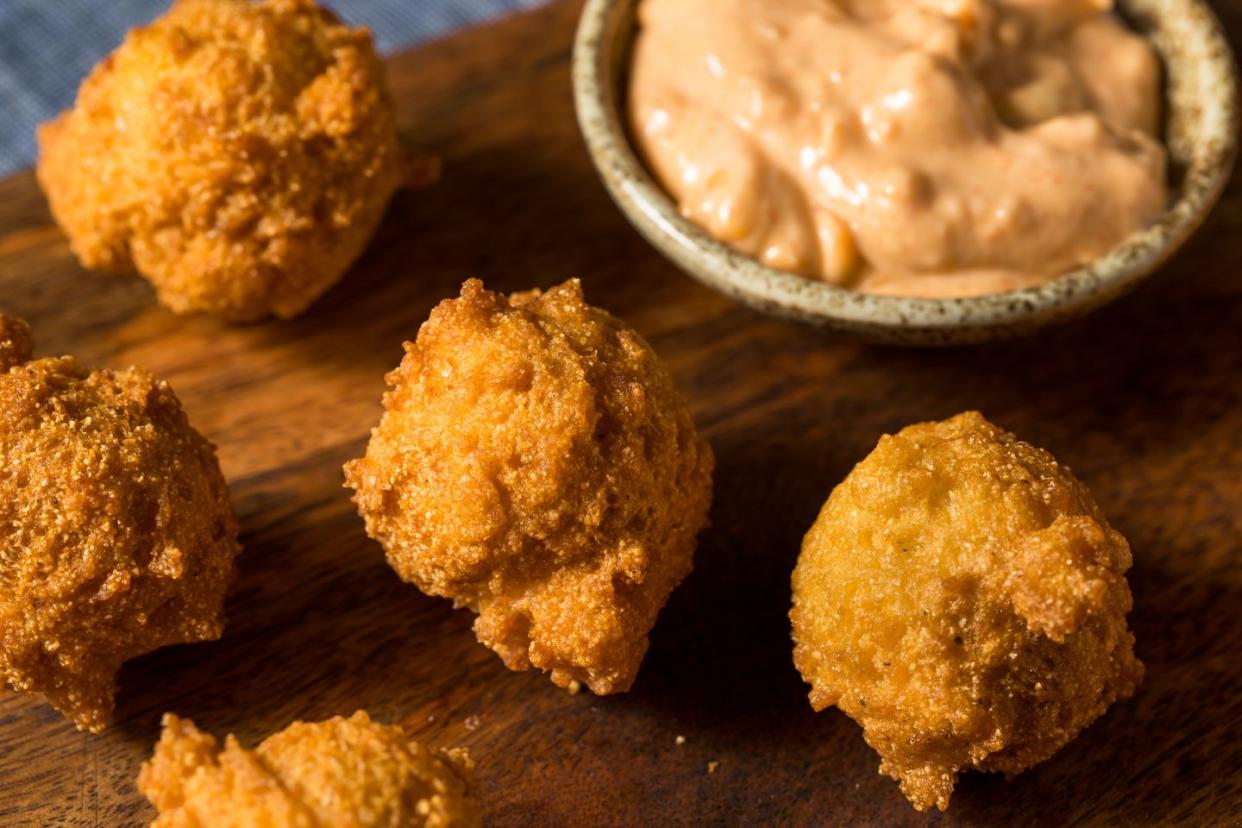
536, 464
237, 154
116, 532
340, 773
963, 599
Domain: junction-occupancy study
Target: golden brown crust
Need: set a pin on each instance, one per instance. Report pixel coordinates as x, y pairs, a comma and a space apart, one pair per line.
118, 536
341, 772
238, 155
963, 599
536, 464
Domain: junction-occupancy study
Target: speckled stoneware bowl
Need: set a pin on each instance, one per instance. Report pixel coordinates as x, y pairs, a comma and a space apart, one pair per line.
1200, 132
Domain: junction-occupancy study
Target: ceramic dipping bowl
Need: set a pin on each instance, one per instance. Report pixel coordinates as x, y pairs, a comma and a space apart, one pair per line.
1201, 124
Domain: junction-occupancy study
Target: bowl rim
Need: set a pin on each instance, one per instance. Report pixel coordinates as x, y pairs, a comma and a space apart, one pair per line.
889, 318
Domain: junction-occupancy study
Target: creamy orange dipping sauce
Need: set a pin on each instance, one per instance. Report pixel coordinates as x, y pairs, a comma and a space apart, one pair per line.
911, 147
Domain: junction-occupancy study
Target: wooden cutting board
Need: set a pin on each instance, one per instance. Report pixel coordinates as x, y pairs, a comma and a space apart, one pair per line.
1143, 400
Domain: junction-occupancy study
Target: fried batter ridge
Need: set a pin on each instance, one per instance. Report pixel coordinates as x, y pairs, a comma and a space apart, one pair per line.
339, 773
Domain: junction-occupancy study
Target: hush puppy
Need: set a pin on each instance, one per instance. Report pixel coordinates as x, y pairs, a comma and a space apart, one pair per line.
536, 464
342, 772
116, 532
963, 599
237, 154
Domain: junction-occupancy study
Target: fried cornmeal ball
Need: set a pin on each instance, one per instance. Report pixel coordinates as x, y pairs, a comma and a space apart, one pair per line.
341, 773
239, 155
963, 599
536, 464
116, 532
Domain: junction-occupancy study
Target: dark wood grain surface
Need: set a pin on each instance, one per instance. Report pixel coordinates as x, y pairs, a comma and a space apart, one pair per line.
1144, 400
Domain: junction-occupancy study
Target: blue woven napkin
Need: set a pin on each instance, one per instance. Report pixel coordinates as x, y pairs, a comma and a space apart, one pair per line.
48, 46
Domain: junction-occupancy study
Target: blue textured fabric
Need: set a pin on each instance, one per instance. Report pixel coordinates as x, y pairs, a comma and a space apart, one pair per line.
48, 46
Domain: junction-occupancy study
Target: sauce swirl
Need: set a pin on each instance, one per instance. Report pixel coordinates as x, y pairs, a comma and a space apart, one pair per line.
929, 148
